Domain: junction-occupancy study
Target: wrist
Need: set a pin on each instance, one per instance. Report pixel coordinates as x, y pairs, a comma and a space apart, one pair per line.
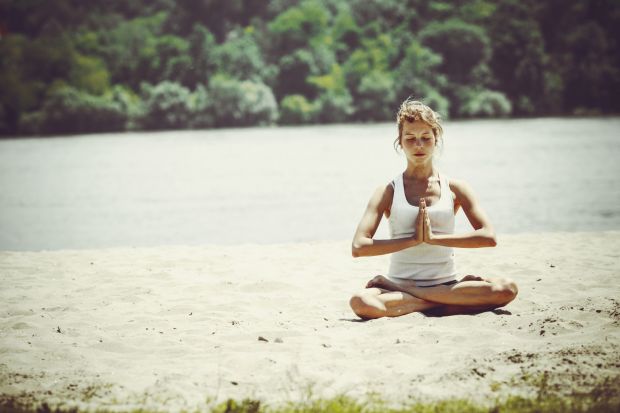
433, 240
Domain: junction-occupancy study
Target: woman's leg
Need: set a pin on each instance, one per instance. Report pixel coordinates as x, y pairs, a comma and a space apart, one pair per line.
376, 302
471, 291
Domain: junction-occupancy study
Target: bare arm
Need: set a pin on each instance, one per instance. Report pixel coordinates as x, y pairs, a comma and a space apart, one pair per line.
483, 234
363, 243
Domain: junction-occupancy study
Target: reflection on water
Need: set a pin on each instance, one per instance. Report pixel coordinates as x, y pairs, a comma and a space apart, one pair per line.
293, 184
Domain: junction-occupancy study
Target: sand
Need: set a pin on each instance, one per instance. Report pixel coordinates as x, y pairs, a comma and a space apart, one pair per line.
176, 328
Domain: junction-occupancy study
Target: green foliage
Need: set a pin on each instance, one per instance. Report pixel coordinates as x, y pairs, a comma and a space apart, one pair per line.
333, 82
89, 74
167, 105
295, 109
334, 103
241, 58
376, 97
437, 101
295, 71
346, 34
333, 107
463, 46
477, 11
394, 13
485, 103
416, 75
373, 55
202, 49
18, 93
68, 110
518, 54
203, 116
132, 50
296, 26
242, 103
353, 60
602, 398
129, 102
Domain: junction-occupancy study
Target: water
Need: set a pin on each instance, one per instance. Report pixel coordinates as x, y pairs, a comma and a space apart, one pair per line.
290, 184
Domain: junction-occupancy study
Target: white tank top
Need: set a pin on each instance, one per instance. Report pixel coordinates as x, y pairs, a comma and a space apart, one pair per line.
426, 264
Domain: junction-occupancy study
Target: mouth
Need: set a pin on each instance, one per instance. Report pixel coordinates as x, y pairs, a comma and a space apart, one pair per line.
419, 154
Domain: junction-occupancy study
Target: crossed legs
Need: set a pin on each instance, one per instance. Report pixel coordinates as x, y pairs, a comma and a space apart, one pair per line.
472, 294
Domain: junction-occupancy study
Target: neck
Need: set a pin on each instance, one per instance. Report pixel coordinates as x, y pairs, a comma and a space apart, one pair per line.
420, 171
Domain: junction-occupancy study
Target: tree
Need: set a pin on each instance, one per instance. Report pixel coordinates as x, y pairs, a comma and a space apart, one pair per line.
68, 110
167, 105
242, 103
518, 61
463, 47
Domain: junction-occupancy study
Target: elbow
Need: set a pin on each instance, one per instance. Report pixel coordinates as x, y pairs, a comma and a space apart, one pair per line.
492, 240
356, 250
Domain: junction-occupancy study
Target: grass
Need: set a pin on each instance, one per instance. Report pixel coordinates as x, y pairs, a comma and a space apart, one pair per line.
603, 398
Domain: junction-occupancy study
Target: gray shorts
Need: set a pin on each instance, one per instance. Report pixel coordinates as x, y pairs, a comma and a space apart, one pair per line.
436, 285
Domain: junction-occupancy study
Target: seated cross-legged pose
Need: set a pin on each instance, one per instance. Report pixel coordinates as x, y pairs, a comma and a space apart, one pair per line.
420, 205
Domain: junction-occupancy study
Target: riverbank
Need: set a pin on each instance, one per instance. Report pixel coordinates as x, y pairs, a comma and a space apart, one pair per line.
177, 328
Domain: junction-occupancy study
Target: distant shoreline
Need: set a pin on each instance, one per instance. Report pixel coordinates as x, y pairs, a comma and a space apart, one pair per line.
567, 117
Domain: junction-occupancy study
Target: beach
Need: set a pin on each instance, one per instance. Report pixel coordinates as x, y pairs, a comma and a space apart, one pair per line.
185, 327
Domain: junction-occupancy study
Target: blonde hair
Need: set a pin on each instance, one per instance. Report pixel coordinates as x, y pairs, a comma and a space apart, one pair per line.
413, 110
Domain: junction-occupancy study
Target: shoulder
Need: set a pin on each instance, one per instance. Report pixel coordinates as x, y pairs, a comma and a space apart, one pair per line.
458, 185
462, 191
385, 192
382, 197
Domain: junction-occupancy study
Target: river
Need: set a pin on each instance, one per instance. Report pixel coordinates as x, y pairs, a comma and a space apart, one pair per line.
293, 184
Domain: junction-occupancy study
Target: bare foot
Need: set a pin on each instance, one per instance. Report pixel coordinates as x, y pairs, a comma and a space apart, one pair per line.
379, 281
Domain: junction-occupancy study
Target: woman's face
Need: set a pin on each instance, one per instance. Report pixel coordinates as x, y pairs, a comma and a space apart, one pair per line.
418, 141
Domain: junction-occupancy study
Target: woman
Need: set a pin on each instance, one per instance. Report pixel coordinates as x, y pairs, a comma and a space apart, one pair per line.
420, 205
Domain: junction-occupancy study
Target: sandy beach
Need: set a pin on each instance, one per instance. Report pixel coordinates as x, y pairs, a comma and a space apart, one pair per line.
176, 328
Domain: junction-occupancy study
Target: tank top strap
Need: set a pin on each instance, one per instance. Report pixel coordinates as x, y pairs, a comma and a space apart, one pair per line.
399, 190
444, 181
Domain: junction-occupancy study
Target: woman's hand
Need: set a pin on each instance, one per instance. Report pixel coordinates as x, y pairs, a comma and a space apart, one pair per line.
427, 230
419, 222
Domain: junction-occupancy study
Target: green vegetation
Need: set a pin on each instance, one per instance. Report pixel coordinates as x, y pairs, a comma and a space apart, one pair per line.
603, 397
68, 66
348, 405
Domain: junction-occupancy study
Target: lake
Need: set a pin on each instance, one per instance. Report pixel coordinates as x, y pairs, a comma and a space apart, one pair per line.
292, 184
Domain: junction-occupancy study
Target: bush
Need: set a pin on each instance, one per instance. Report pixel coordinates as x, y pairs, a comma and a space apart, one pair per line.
335, 107
485, 103
203, 109
376, 97
295, 109
463, 46
32, 123
240, 57
166, 106
130, 104
242, 103
68, 110
437, 102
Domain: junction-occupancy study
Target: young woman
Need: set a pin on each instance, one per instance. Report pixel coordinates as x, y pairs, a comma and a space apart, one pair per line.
420, 205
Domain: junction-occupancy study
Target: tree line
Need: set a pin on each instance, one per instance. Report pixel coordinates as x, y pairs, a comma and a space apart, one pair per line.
69, 66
